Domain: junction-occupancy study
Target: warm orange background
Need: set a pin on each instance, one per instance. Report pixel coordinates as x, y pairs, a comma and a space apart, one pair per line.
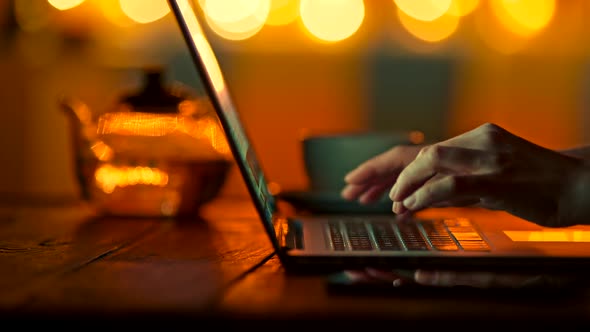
284, 83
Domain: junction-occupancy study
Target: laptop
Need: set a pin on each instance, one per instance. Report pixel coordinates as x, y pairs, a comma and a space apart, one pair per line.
334, 242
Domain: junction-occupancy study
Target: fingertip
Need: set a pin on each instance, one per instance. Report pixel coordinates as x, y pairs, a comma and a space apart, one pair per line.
347, 178
393, 192
410, 202
345, 193
351, 176
358, 175
363, 200
399, 209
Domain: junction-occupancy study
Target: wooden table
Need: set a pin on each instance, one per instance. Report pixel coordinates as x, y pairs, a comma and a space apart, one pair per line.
59, 266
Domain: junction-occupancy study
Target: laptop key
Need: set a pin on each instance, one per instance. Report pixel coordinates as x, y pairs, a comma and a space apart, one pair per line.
443, 235
411, 236
336, 238
358, 236
438, 235
385, 236
466, 235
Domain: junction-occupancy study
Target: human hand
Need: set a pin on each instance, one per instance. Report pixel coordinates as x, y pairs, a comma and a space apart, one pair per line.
409, 279
370, 180
488, 166
452, 278
432, 282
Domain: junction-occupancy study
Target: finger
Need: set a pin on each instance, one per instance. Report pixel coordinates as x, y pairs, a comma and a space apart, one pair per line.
472, 279
440, 159
373, 194
477, 151
385, 165
397, 208
451, 188
397, 278
353, 191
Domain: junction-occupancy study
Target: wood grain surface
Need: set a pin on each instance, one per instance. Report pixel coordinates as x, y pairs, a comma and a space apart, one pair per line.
60, 264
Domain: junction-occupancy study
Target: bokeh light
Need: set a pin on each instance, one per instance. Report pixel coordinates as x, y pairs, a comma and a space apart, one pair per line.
430, 31
494, 35
145, 11
524, 17
65, 4
424, 10
463, 7
114, 14
283, 12
31, 15
236, 19
228, 11
205, 52
332, 20
108, 177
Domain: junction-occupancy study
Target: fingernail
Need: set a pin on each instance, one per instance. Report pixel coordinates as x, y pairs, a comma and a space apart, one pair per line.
350, 175
392, 192
410, 202
347, 177
344, 192
396, 207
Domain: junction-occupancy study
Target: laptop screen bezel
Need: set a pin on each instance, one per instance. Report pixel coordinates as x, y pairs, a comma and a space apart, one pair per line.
208, 84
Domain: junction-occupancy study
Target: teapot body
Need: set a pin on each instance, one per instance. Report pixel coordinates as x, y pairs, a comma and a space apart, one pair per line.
154, 153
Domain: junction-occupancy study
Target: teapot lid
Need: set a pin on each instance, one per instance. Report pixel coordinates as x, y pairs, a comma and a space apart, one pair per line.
154, 96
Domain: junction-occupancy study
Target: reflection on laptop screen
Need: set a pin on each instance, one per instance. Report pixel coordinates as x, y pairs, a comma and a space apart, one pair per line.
208, 66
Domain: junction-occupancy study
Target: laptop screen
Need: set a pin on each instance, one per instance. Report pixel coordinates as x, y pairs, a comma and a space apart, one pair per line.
210, 72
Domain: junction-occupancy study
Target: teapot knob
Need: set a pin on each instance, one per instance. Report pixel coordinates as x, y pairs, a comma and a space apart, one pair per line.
154, 96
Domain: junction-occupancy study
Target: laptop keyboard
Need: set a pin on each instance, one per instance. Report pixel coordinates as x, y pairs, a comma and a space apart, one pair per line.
387, 235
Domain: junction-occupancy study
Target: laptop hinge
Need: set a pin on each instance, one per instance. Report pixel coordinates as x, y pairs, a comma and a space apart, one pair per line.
288, 234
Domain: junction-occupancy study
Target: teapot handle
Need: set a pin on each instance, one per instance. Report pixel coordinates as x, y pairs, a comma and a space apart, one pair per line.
84, 138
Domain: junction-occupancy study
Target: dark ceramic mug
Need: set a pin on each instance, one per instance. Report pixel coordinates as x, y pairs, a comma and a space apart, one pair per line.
329, 157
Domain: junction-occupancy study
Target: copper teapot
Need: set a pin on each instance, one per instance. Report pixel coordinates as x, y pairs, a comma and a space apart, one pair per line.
158, 151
